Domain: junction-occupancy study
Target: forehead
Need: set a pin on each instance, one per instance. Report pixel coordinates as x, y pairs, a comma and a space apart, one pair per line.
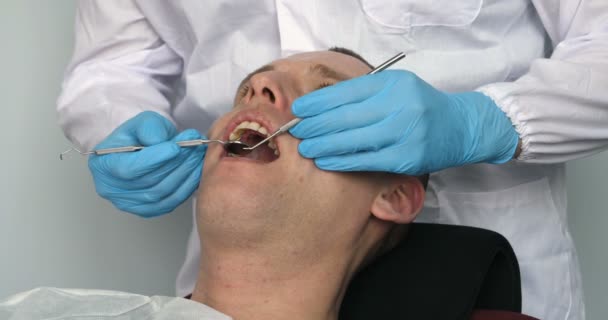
340, 62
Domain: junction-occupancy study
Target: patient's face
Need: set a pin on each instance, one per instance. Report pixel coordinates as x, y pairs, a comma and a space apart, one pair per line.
274, 193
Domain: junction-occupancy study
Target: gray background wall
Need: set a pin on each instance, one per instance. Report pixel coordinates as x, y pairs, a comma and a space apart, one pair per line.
55, 231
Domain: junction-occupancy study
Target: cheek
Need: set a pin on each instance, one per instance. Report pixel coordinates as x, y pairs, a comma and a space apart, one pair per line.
331, 189
314, 183
333, 205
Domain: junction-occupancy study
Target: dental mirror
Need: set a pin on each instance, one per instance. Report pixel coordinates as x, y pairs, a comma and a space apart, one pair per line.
237, 147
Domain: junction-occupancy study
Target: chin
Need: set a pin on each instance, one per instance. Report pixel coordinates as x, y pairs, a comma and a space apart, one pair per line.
235, 208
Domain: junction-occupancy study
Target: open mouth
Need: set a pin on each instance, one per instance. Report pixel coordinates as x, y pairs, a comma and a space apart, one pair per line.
251, 133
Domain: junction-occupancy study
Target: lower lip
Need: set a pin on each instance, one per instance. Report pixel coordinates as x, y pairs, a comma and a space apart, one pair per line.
225, 157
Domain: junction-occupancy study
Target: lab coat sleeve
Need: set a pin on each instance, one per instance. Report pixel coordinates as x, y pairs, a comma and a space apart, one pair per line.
119, 68
560, 107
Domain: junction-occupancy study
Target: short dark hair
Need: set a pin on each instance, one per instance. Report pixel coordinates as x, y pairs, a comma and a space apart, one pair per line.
351, 53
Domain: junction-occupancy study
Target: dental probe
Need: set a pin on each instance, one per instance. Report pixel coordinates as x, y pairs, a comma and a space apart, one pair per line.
284, 128
186, 143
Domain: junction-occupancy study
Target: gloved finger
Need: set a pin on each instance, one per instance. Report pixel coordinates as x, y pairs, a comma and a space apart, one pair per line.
146, 129
371, 138
348, 91
383, 160
154, 171
166, 186
153, 129
150, 179
165, 170
188, 134
154, 174
132, 165
157, 160
345, 117
172, 201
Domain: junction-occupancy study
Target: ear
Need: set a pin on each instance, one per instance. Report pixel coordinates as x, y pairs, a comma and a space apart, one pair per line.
400, 202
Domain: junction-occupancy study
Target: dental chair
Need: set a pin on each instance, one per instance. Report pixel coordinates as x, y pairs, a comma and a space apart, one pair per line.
439, 272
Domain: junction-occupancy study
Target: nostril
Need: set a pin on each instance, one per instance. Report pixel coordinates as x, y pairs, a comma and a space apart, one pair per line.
269, 93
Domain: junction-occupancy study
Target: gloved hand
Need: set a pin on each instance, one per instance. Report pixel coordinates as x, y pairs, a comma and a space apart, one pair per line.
393, 121
155, 180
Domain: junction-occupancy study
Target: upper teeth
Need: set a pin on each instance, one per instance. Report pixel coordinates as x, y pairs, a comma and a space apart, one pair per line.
251, 125
238, 131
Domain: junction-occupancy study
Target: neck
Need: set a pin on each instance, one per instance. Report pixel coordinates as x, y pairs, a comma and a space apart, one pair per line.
248, 283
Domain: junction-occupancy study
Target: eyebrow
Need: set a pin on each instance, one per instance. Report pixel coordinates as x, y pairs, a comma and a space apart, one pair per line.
327, 72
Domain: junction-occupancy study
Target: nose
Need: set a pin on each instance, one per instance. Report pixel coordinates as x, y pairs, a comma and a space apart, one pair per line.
267, 87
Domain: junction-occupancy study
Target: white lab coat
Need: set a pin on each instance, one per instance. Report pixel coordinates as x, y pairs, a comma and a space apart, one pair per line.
544, 62
79, 304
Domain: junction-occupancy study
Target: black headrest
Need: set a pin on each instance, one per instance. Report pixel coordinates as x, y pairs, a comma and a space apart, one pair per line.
437, 272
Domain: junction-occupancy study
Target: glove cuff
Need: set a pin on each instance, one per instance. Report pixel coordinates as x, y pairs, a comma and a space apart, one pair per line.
494, 137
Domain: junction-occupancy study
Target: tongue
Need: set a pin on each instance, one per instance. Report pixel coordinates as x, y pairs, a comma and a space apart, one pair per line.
262, 153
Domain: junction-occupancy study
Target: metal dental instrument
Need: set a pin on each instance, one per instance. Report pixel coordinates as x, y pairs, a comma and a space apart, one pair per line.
232, 146
186, 143
290, 124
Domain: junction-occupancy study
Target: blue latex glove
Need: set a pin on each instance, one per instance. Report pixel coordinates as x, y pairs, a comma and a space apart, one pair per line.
393, 121
155, 180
